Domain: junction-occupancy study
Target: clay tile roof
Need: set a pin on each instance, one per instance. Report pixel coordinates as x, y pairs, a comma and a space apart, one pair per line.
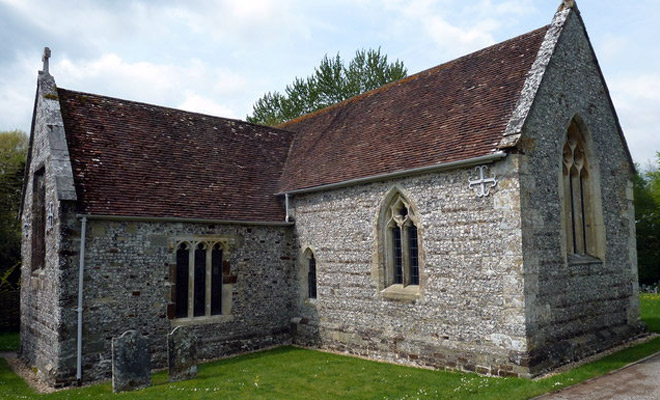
454, 111
137, 159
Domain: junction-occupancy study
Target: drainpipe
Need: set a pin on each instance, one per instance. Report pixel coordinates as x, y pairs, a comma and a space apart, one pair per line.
81, 268
286, 206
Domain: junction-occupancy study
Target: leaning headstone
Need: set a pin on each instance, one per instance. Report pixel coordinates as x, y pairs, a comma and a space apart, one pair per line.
181, 354
131, 369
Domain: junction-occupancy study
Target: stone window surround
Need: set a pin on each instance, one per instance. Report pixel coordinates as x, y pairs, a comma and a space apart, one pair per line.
227, 244
37, 270
384, 272
303, 270
38, 220
593, 216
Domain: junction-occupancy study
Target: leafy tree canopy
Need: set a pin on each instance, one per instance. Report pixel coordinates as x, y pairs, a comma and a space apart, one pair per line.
647, 217
331, 83
13, 148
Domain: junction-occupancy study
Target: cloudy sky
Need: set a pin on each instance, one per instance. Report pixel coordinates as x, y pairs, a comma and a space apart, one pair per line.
219, 56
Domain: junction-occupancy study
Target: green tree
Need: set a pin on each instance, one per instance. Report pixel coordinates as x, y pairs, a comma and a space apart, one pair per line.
331, 83
647, 217
13, 148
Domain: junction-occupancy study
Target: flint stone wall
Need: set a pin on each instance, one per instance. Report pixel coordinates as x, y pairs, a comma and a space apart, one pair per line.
127, 286
41, 317
471, 311
575, 310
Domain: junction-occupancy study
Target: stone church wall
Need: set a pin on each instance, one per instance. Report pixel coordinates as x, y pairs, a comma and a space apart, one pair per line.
470, 312
41, 318
575, 310
127, 286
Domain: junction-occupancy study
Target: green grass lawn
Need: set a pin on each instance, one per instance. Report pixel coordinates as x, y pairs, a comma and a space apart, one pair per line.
293, 373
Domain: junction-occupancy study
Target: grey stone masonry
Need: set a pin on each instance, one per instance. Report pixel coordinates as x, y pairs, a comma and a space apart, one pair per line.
469, 313
181, 354
128, 279
574, 308
41, 284
131, 368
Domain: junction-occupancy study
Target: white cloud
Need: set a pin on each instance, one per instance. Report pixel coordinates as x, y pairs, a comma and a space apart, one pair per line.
197, 103
456, 28
17, 97
611, 47
637, 100
461, 40
240, 21
134, 79
184, 86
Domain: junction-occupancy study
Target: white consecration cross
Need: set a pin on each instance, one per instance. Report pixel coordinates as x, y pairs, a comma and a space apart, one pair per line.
481, 182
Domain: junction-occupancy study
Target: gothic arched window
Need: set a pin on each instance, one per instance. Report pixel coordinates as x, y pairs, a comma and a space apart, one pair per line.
578, 198
400, 243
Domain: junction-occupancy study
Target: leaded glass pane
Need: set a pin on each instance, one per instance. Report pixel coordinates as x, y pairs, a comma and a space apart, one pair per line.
216, 280
311, 278
182, 282
199, 291
398, 257
413, 255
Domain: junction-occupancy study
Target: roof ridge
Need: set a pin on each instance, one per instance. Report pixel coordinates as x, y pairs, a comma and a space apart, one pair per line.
535, 74
142, 103
408, 78
138, 159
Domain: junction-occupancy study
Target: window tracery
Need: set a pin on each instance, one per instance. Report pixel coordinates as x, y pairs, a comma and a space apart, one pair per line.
578, 195
401, 243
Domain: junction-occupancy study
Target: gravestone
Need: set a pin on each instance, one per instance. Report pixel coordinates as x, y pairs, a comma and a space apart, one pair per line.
181, 354
131, 369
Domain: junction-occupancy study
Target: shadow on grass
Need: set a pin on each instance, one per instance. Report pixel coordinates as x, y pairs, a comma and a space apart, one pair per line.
9, 341
653, 324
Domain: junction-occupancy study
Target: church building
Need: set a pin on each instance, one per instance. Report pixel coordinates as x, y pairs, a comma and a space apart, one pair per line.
475, 216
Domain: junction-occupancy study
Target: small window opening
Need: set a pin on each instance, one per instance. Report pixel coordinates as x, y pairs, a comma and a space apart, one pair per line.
311, 278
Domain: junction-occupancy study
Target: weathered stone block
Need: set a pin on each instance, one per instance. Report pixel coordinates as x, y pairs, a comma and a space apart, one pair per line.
181, 354
131, 362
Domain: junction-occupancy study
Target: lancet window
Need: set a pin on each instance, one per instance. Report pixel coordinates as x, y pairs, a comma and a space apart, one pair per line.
311, 277
198, 282
578, 195
38, 258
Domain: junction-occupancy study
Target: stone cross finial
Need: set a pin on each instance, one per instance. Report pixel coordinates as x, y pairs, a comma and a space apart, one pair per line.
45, 58
566, 4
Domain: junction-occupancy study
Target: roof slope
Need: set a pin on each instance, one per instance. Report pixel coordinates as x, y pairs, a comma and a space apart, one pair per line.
142, 160
455, 111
